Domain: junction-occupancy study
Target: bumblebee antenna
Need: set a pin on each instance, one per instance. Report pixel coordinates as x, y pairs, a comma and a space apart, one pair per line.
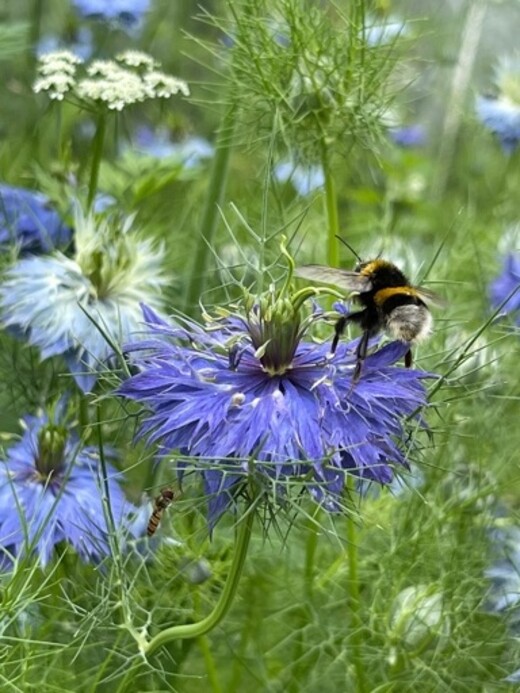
349, 247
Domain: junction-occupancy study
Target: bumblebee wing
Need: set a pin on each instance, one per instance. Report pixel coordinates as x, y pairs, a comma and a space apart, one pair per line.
431, 297
348, 281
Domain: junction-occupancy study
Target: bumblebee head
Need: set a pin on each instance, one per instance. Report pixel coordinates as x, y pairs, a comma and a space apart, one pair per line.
382, 273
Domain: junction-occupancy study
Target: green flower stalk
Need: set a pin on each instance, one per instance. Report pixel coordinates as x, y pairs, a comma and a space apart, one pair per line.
217, 185
314, 74
311, 82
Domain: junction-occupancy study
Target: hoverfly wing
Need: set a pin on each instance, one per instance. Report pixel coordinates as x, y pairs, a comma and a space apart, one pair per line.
431, 297
348, 281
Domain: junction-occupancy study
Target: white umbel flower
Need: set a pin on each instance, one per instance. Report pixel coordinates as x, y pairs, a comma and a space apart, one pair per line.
56, 85
131, 78
163, 86
117, 88
137, 59
56, 72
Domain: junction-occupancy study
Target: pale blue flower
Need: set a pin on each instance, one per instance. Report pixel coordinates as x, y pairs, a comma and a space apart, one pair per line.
127, 13
81, 43
504, 575
502, 117
191, 151
80, 307
383, 32
305, 179
501, 112
408, 136
505, 289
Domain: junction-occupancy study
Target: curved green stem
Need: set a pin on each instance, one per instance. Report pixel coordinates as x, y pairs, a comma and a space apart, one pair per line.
97, 154
331, 208
205, 625
353, 596
217, 185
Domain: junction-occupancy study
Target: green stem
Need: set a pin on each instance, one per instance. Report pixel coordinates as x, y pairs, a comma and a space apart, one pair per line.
97, 154
205, 625
209, 661
469, 41
311, 545
83, 412
211, 668
217, 186
331, 209
35, 30
354, 602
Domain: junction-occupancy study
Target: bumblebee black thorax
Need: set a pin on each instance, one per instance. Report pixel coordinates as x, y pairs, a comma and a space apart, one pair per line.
382, 274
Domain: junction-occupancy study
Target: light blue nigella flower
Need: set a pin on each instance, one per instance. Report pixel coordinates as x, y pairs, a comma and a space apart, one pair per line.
127, 13
408, 136
503, 287
504, 576
249, 391
501, 113
384, 32
51, 491
81, 43
502, 117
80, 307
305, 179
28, 220
191, 151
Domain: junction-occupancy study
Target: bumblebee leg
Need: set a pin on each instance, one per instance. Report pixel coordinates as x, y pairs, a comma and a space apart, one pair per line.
341, 324
339, 328
361, 353
408, 360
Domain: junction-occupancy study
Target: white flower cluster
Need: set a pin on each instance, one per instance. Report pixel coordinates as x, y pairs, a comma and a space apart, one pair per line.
164, 86
57, 72
131, 78
137, 59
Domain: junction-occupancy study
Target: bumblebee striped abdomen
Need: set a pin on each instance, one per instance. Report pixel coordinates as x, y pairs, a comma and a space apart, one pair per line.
403, 314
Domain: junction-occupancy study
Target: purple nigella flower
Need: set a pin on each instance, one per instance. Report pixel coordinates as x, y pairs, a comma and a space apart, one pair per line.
128, 13
502, 116
51, 491
251, 395
27, 219
503, 287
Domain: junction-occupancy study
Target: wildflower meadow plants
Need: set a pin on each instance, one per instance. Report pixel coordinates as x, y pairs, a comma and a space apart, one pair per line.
195, 489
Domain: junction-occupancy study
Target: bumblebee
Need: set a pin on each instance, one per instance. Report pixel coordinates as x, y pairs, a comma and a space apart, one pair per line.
162, 501
390, 303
